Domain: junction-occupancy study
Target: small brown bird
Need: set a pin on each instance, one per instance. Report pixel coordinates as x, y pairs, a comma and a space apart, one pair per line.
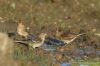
66, 36
61, 34
21, 29
39, 43
71, 40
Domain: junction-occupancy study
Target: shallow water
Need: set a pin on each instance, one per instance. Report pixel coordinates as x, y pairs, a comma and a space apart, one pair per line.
65, 64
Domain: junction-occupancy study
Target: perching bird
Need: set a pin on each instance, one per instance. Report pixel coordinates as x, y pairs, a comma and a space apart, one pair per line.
71, 40
38, 43
61, 34
22, 31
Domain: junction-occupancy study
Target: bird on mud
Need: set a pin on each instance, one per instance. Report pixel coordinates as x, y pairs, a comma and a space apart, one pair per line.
66, 36
71, 40
38, 43
22, 30
61, 34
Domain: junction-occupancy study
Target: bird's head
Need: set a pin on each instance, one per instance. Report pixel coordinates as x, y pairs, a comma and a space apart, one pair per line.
20, 21
43, 35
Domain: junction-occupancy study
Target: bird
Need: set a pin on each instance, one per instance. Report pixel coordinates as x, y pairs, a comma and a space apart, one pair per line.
64, 34
38, 43
22, 30
71, 40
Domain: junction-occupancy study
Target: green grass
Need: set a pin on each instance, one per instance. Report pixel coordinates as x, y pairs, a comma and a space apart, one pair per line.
30, 55
87, 63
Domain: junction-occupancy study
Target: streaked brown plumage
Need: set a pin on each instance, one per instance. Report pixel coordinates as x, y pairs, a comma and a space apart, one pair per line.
39, 43
67, 37
21, 29
64, 34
